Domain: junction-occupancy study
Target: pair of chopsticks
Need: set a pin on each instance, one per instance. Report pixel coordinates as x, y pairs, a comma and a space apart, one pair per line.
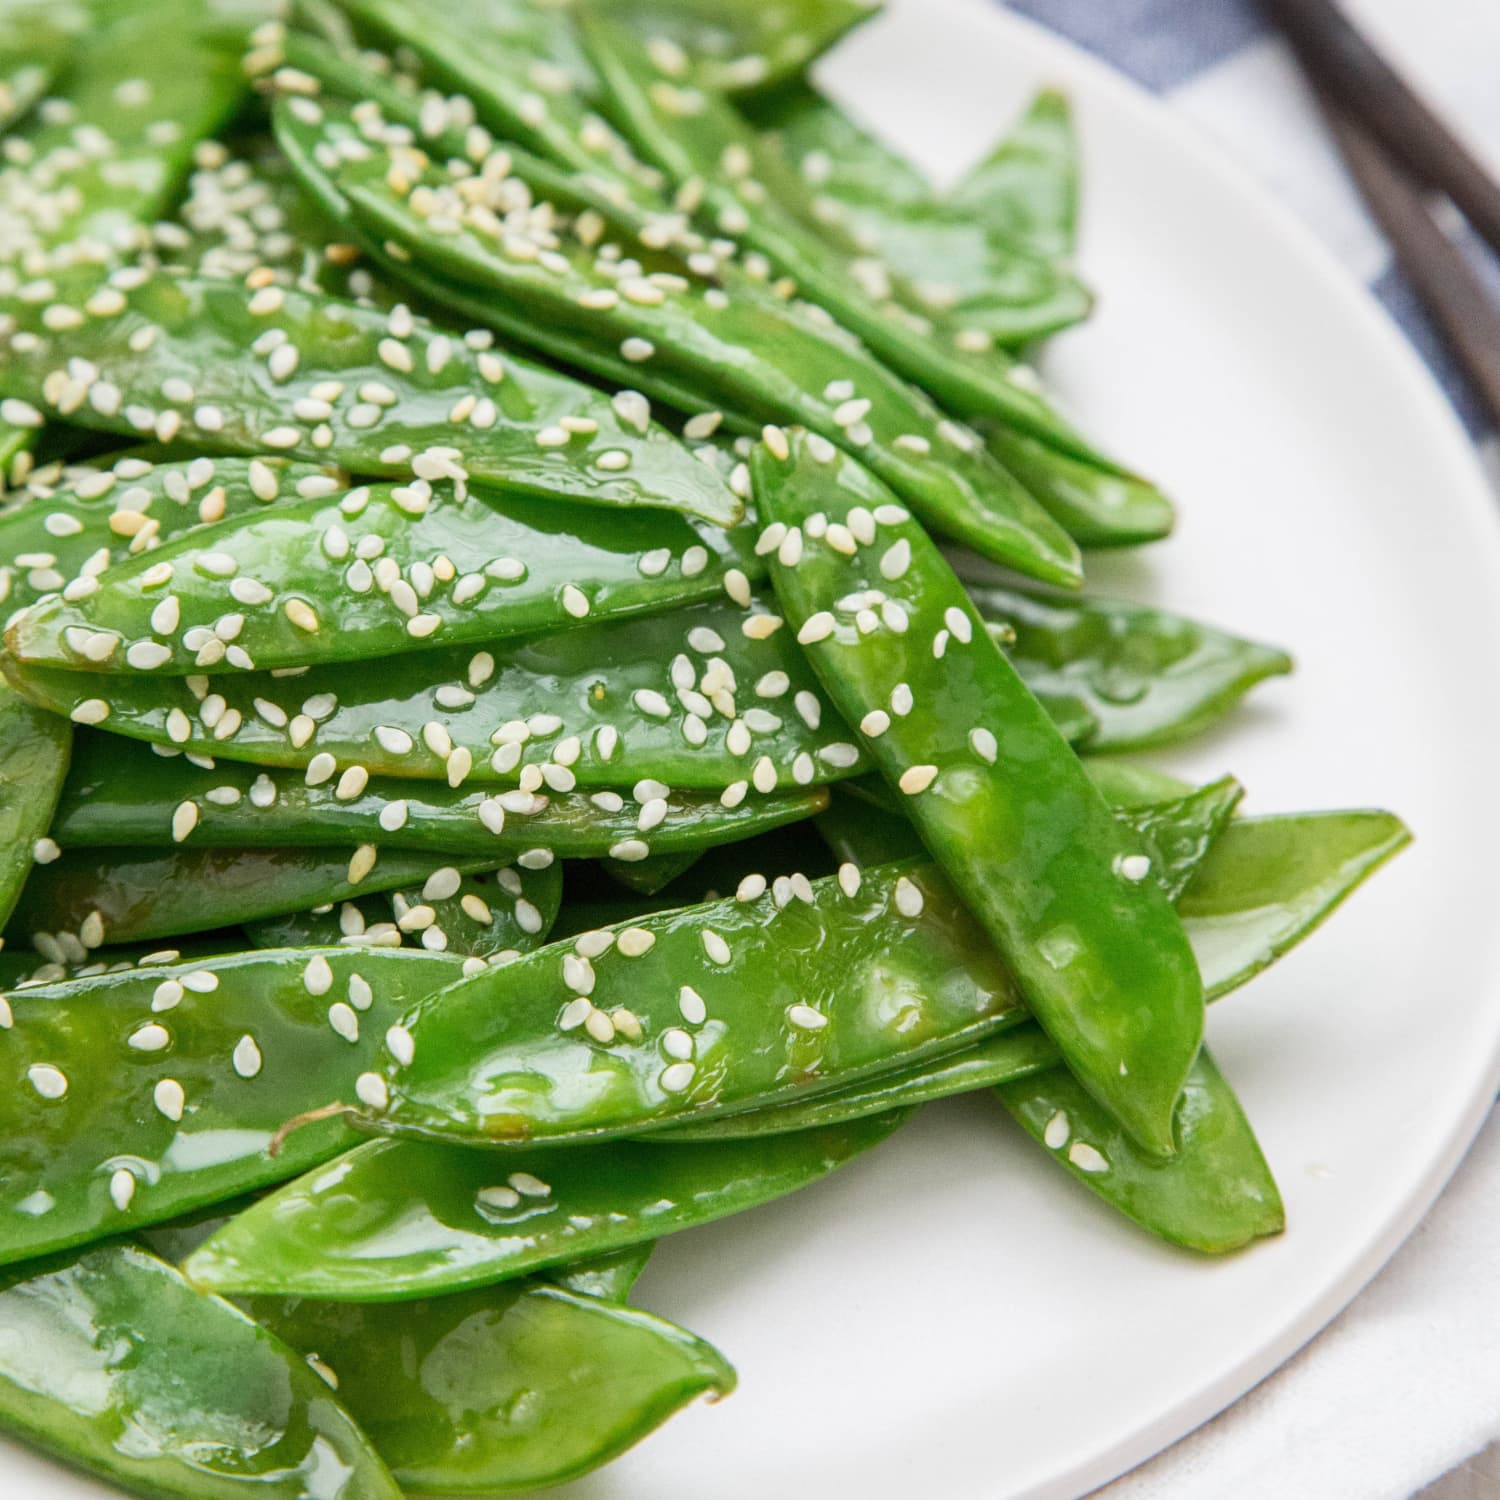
1402, 155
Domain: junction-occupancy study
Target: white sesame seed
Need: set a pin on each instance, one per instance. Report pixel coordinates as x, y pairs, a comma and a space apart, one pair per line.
635, 941
875, 723
48, 1081
370, 1090
1055, 1136
122, 1187
152, 1037
915, 779
90, 711
246, 1057
805, 1018
817, 627
1135, 867
982, 743
1087, 1158
317, 977
715, 946
362, 862
169, 1098
901, 700
184, 820
676, 1077
849, 879
909, 900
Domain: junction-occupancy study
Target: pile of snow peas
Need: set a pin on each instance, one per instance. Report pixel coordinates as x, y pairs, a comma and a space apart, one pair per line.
548, 699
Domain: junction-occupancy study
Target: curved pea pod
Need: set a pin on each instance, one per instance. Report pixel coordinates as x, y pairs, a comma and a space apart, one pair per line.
359, 574
118, 1366
123, 793
504, 1389
1027, 188
496, 914
330, 379
399, 1219
700, 1011
134, 1097
749, 353
1215, 1195
710, 696
1060, 886
1147, 676
63, 542
133, 895
34, 750
695, 137
1265, 886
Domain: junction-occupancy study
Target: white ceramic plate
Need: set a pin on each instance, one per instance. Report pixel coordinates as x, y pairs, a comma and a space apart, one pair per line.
949, 1318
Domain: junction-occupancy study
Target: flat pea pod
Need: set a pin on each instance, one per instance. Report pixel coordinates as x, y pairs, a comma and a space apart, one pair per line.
135, 895
492, 915
34, 750
376, 393
503, 1389
115, 1364
1147, 676
700, 1011
1060, 886
1215, 1195
708, 697
750, 353
120, 792
62, 543
398, 1219
134, 1097
1267, 884
363, 573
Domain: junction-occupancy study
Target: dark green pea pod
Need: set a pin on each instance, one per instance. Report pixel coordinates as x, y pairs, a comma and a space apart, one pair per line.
353, 575
493, 915
503, 1389
136, 895
125, 1371
701, 1011
749, 353
1265, 886
1061, 887
1215, 1195
746, 188
34, 750
132, 1098
685, 698
102, 516
375, 392
1147, 676
1026, 189
120, 793
399, 1219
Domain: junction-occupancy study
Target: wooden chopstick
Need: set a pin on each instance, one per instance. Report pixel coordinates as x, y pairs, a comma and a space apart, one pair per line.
1344, 66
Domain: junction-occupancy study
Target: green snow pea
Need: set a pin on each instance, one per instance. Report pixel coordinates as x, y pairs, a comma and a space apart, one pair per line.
133, 895
102, 516
686, 698
398, 1219
1027, 188
354, 575
122, 793
496, 914
1267, 884
747, 189
34, 750
756, 356
730, 1005
115, 1364
67, 958
1215, 1195
653, 873
1146, 675
134, 1097
1061, 886
503, 1389
378, 393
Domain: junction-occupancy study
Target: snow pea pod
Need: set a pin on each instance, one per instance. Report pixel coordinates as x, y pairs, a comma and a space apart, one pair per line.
20, 967
749, 353
710, 696
398, 1219
1060, 886
34, 750
652, 874
134, 895
101, 516
135, 1097
383, 394
118, 1366
122, 793
503, 1389
1215, 1195
494, 915
353, 575
1265, 886
700, 1011
1146, 675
